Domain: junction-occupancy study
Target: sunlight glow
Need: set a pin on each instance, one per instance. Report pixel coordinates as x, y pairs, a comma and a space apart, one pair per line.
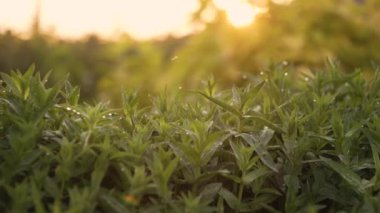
143, 19
239, 13
283, 2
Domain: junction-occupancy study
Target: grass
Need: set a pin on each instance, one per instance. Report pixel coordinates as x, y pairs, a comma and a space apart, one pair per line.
286, 142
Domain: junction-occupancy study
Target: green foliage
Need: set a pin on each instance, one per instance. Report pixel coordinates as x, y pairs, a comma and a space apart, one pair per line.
282, 143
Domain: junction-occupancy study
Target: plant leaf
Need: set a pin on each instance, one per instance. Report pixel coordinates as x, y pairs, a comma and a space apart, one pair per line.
263, 153
221, 104
346, 173
253, 175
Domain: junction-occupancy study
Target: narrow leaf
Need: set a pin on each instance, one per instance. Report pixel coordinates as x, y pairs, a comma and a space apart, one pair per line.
263, 153
346, 173
221, 104
265, 122
230, 198
210, 191
253, 175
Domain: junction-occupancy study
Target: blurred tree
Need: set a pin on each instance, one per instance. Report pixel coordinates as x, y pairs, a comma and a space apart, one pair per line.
302, 32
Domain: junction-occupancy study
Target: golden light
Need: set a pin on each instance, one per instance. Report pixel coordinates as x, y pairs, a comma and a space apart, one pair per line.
283, 2
143, 19
239, 13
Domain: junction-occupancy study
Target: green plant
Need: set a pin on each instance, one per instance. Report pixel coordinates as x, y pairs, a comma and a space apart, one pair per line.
282, 143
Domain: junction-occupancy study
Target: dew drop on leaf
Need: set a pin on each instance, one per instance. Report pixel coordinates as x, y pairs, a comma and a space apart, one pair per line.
257, 108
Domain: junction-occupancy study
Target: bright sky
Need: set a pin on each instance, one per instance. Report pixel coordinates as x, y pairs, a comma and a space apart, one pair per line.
74, 18
142, 19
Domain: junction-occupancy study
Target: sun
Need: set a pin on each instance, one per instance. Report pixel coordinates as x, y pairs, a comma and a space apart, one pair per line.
239, 13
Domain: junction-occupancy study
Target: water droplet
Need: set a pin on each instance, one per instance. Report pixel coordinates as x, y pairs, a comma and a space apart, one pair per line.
286, 74
244, 77
314, 100
266, 128
174, 58
78, 113
261, 73
306, 79
103, 116
110, 114
285, 63
204, 112
180, 88
68, 108
257, 108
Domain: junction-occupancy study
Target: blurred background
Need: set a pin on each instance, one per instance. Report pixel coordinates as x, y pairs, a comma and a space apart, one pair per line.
150, 45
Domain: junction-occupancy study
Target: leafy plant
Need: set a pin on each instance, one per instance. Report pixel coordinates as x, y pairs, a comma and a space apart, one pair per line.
279, 144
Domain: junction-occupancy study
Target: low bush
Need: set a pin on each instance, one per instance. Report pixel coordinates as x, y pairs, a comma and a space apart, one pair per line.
285, 142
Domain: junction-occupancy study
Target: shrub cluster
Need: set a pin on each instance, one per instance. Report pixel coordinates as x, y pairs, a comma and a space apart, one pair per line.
286, 142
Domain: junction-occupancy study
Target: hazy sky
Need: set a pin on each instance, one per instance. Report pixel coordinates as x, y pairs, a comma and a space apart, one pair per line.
142, 19
73, 18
